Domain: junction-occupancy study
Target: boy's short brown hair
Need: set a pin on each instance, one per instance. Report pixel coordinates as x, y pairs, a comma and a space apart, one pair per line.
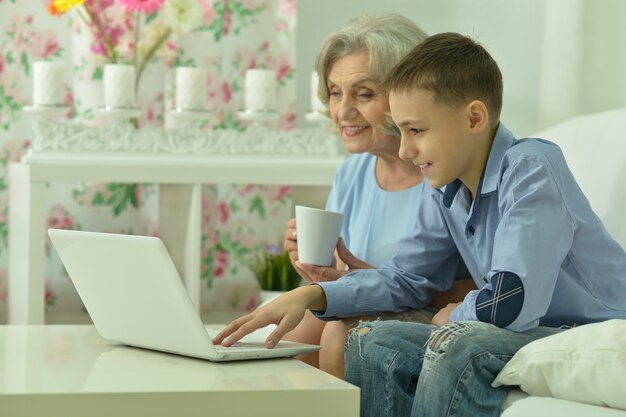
455, 68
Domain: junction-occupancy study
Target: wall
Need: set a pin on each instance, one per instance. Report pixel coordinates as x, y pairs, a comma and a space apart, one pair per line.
559, 58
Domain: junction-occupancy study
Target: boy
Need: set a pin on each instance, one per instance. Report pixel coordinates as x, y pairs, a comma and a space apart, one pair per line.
509, 208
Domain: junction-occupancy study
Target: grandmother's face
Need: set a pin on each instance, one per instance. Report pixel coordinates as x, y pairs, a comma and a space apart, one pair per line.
358, 105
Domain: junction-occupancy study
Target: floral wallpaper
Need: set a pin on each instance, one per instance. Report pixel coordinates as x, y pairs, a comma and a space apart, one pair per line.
226, 37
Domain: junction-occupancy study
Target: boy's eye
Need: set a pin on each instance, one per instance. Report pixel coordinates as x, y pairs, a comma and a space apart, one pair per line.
415, 131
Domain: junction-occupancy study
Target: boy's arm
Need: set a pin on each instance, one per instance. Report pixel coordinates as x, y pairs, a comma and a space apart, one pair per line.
530, 244
396, 285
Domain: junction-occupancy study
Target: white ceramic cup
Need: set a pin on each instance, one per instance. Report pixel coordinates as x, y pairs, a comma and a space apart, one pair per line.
317, 234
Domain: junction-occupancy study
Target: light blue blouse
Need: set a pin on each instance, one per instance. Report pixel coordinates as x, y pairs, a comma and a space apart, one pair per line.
374, 219
534, 247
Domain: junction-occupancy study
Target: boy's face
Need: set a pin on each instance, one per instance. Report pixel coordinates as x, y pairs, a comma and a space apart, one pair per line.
435, 137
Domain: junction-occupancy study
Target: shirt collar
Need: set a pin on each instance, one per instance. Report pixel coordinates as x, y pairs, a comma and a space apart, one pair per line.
491, 174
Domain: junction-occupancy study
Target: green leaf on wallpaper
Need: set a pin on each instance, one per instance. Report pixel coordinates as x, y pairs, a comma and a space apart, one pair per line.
4, 234
121, 196
3, 185
97, 74
25, 63
9, 57
233, 206
207, 269
98, 199
256, 205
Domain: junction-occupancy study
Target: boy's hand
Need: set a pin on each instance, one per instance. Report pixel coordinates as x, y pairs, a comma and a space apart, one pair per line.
314, 273
286, 312
443, 316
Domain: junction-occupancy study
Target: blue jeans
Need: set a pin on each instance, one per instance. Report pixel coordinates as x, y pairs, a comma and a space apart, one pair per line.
420, 370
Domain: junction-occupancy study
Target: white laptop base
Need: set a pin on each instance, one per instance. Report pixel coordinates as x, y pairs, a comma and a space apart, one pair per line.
134, 295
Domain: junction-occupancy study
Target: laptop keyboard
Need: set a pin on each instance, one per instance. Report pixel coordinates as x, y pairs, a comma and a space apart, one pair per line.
241, 345
237, 345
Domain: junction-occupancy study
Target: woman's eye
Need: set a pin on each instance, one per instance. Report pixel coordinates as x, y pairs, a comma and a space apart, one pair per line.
365, 95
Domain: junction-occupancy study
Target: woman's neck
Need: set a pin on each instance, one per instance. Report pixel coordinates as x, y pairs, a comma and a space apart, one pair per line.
394, 174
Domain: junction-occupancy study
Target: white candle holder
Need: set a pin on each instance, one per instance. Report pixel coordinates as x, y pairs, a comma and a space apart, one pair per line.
190, 89
48, 81
260, 91
119, 88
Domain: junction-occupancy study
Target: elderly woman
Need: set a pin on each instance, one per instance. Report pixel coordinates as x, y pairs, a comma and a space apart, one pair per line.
376, 190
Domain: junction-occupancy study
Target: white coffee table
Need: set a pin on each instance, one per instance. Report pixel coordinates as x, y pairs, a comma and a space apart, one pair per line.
69, 371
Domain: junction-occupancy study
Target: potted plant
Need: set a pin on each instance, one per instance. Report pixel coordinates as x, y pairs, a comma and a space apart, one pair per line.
274, 271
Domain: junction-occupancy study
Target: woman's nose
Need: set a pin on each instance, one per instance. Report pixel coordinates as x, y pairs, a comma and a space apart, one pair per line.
347, 108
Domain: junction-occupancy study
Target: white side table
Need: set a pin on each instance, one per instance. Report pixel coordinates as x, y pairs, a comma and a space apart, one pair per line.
70, 371
180, 177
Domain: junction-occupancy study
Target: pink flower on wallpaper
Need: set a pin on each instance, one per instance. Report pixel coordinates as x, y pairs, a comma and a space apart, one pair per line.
281, 26
246, 189
42, 44
227, 92
143, 6
228, 23
59, 218
220, 263
3, 63
275, 192
244, 59
209, 12
288, 120
150, 227
224, 212
281, 65
287, 9
49, 294
12, 151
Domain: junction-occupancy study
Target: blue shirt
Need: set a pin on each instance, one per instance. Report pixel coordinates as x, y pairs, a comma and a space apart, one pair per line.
534, 247
374, 219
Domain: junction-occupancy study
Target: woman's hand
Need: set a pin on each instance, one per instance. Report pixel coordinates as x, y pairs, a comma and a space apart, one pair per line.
286, 312
314, 273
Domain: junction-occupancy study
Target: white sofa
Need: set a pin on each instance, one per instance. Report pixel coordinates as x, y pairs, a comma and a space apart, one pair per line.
579, 374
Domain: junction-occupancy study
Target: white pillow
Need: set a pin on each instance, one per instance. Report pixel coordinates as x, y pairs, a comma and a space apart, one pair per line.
584, 364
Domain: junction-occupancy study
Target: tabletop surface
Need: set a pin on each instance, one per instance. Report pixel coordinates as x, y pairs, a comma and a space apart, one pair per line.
75, 359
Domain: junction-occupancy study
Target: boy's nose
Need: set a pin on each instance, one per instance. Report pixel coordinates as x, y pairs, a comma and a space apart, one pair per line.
407, 152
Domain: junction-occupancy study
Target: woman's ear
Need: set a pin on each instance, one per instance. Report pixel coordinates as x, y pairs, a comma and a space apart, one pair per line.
478, 116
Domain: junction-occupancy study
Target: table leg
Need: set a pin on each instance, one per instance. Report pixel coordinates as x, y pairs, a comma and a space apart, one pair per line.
27, 232
180, 228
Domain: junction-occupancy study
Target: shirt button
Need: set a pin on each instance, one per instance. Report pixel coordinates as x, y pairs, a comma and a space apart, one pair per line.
471, 229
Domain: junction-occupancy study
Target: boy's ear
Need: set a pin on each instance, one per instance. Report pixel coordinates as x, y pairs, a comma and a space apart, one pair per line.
478, 116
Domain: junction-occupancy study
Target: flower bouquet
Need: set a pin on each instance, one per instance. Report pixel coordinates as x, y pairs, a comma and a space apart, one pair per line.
146, 29
274, 271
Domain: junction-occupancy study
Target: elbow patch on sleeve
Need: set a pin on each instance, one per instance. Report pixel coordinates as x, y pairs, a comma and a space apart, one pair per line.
502, 303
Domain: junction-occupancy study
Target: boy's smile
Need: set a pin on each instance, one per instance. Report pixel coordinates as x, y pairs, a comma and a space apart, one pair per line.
445, 142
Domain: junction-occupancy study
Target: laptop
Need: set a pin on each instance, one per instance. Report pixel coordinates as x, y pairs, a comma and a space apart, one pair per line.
134, 295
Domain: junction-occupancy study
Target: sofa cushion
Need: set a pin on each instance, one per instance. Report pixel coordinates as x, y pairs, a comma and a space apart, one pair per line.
551, 407
584, 364
595, 149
